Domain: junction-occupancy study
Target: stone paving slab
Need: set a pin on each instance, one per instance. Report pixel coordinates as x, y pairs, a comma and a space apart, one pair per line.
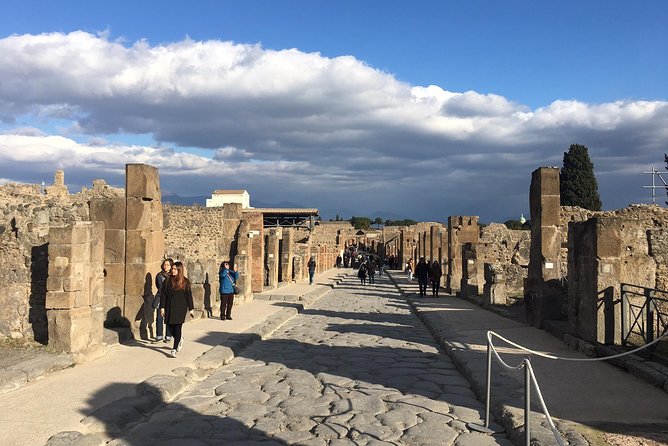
356, 367
60, 400
580, 394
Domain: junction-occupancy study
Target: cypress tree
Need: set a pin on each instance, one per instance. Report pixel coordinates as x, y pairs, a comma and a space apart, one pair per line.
578, 183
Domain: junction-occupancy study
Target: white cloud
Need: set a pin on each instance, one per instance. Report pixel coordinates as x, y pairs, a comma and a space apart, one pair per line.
277, 118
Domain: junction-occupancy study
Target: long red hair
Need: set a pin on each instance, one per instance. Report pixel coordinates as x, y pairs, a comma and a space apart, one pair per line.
179, 281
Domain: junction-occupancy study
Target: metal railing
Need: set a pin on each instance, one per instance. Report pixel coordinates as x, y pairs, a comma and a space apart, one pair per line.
644, 315
530, 378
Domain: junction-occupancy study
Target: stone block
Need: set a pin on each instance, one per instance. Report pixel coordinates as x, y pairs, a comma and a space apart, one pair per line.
608, 237
198, 295
109, 210
69, 330
550, 208
75, 283
139, 280
144, 246
114, 246
98, 315
97, 243
54, 283
60, 299
61, 235
142, 181
114, 279
144, 214
232, 211
96, 287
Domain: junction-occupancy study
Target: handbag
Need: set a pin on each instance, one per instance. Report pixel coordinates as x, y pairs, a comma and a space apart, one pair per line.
234, 285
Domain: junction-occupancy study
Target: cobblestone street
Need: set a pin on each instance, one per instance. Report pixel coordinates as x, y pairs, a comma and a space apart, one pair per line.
356, 368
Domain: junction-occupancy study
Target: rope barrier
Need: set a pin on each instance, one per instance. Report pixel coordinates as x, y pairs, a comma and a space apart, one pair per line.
526, 364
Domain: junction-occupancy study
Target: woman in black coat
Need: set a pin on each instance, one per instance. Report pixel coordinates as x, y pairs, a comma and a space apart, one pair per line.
176, 300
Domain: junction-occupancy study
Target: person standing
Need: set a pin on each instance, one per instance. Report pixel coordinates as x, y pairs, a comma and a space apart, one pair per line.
176, 299
371, 270
227, 278
311, 270
409, 269
165, 272
422, 274
435, 274
361, 273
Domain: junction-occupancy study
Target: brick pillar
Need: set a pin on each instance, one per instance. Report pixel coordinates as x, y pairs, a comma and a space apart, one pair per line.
544, 294
256, 252
145, 241
243, 261
472, 279
75, 286
494, 290
461, 230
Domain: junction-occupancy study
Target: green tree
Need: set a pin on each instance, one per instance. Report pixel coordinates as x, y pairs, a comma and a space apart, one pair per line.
360, 222
513, 224
378, 221
578, 183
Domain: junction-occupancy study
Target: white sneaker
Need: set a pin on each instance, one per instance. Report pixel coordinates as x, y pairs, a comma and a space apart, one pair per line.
178, 347
168, 338
172, 353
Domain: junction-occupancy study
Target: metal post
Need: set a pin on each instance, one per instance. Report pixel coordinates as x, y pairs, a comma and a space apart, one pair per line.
649, 304
527, 402
488, 395
625, 315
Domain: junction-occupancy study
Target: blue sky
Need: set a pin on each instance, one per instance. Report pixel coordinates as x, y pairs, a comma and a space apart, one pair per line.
542, 75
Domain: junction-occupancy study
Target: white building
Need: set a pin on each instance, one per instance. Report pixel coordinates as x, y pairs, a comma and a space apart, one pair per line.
222, 196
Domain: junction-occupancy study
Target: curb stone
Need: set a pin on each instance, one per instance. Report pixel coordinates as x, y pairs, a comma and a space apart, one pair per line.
155, 391
508, 416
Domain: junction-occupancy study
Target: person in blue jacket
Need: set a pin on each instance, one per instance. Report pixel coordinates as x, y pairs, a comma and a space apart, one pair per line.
228, 278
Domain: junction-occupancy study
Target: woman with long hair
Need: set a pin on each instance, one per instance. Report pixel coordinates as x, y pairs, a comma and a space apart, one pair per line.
176, 300
160, 278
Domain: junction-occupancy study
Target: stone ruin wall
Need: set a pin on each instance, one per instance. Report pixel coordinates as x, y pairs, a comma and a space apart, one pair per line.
26, 215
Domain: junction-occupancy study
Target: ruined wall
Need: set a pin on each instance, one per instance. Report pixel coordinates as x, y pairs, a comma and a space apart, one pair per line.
625, 246
25, 218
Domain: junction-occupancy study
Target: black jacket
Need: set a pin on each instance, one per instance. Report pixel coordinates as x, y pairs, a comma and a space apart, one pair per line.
176, 302
422, 270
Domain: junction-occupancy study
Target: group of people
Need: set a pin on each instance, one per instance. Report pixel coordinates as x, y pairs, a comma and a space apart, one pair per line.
174, 300
367, 270
425, 273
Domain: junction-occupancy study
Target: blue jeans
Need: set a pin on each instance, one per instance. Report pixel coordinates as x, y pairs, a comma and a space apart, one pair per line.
310, 276
159, 322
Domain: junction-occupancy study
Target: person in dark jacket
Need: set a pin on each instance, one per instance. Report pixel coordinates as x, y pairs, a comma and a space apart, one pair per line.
176, 299
361, 273
422, 274
165, 272
227, 278
371, 271
311, 270
435, 274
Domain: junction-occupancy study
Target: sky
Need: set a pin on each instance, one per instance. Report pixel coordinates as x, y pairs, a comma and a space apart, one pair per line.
422, 109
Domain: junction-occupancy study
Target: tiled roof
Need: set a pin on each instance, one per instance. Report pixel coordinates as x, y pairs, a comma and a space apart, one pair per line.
229, 191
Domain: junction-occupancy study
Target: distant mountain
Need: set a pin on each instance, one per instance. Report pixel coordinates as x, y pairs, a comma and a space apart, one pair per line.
282, 204
187, 201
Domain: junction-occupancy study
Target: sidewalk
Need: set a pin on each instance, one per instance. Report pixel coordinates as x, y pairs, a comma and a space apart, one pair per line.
60, 400
587, 396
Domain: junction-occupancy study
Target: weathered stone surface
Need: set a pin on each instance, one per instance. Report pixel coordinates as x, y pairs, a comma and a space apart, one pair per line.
429, 433
73, 438
165, 387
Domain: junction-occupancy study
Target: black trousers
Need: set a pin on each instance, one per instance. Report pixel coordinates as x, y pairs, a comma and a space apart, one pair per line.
175, 330
226, 302
435, 285
423, 286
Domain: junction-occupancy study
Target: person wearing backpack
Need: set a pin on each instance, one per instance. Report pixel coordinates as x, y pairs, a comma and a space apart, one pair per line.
228, 280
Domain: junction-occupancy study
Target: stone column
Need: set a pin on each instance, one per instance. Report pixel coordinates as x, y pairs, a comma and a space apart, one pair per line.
144, 243
272, 239
471, 271
494, 290
111, 212
544, 294
75, 286
287, 244
461, 230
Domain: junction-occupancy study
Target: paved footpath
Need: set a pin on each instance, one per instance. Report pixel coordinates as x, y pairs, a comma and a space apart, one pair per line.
60, 400
357, 367
590, 398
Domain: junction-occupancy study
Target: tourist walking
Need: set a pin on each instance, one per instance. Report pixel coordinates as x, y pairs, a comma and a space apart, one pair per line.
361, 273
311, 270
228, 279
176, 299
435, 274
422, 274
339, 259
165, 272
371, 270
409, 270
